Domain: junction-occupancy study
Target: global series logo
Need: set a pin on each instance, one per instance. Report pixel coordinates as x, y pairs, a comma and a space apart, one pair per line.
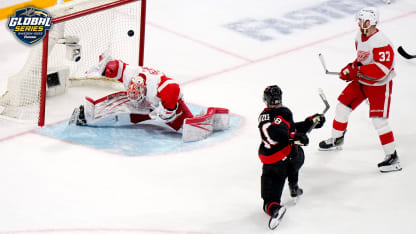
30, 24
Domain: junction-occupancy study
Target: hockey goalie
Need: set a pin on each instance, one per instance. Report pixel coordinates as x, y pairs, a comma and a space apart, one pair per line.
151, 97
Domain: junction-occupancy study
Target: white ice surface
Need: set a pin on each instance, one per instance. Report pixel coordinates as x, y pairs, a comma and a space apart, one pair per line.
51, 186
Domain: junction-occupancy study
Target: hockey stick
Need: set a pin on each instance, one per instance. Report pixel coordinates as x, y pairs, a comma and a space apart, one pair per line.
325, 101
323, 97
321, 57
403, 53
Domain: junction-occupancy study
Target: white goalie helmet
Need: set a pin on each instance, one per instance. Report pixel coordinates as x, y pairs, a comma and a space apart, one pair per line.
137, 89
368, 13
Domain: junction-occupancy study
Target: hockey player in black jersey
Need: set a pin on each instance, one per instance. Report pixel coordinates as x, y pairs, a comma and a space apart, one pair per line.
280, 151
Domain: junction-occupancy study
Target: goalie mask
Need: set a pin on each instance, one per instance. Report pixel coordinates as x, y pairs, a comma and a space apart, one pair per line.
136, 89
272, 95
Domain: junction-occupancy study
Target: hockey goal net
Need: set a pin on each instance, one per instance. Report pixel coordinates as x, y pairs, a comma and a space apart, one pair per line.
81, 30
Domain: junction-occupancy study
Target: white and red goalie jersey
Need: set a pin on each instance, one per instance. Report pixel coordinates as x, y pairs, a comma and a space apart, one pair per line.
162, 95
376, 55
160, 100
160, 89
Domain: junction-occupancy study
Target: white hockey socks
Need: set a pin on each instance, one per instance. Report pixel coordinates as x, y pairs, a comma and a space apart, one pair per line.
342, 113
385, 134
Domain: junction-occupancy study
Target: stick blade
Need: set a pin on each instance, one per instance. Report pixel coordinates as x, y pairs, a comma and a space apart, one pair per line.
324, 100
403, 53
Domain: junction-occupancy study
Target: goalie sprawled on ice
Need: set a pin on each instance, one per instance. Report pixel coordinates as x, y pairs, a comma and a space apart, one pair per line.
151, 97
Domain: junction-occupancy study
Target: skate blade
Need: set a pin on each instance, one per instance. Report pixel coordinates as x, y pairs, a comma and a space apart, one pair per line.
390, 168
295, 200
336, 148
274, 222
292, 202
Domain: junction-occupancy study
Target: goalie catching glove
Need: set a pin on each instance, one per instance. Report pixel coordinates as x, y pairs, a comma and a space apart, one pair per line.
101, 66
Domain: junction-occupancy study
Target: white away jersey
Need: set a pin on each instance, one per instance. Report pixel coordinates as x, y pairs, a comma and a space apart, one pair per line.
376, 55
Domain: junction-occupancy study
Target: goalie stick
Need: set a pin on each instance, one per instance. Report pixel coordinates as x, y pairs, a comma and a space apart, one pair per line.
403, 53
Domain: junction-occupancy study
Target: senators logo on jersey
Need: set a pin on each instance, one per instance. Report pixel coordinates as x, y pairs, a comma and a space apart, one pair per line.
30, 24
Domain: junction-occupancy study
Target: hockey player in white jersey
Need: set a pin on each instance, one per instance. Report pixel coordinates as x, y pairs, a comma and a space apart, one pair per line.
370, 77
149, 95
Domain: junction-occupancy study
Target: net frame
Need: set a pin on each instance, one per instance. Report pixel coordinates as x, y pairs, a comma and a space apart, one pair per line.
64, 18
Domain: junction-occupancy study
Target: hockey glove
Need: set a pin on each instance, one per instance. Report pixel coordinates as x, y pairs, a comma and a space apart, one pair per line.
316, 118
101, 66
163, 114
301, 139
349, 72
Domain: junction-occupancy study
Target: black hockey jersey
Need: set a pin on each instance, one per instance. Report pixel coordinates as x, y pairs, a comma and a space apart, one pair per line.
277, 130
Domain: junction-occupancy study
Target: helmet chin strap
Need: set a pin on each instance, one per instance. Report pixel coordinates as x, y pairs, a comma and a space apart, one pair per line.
364, 30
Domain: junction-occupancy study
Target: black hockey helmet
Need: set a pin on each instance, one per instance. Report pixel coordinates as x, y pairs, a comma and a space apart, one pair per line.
272, 95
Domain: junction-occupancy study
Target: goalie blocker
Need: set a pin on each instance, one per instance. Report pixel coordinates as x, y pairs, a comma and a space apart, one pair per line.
117, 110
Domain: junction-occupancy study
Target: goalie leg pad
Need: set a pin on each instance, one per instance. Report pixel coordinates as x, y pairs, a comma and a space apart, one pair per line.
200, 127
221, 118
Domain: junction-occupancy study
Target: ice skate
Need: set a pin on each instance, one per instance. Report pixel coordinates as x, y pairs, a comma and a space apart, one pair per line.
332, 143
390, 163
276, 217
295, 192
78, 117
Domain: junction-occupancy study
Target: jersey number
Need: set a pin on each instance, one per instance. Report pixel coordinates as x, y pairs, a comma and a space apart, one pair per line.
268, 142
384, 56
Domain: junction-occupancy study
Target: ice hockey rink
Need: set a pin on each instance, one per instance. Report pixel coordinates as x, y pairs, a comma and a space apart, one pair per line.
224, 53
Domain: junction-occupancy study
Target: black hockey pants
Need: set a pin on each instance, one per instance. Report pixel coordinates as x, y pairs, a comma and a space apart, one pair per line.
274, 175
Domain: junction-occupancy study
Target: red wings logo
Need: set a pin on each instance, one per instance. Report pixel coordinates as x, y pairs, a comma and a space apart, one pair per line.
362, 55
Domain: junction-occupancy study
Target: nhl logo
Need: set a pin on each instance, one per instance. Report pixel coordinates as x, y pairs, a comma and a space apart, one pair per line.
30, 24
30, 11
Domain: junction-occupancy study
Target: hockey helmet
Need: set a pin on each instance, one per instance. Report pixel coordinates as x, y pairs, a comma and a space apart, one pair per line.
368, 14
136, 89
272, 95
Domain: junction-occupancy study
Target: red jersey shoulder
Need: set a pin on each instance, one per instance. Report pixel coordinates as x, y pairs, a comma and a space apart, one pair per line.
384, 55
